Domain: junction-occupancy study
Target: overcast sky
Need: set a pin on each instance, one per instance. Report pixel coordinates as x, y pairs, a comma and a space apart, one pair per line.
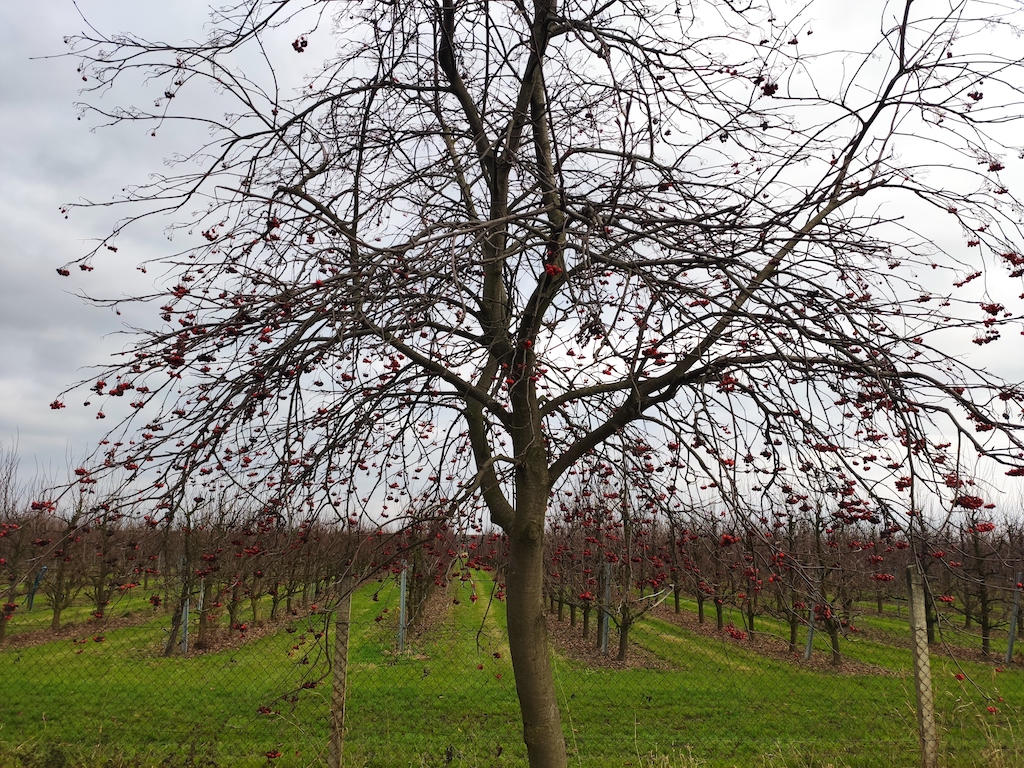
48, 335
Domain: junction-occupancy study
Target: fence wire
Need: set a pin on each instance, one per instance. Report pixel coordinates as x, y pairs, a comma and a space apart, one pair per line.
439, 689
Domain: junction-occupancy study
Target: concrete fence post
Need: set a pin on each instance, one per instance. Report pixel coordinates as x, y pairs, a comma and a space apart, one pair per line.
927, 731
339, 673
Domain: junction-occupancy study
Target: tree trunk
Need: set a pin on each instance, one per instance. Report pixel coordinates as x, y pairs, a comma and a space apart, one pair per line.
833, 632
307, 592
172, 639
5, 618
58, 595
275, 602
527, 629
586, 619
205, 625
930, 618
625, 624
985, 619
234, 604
984, 598
719, 614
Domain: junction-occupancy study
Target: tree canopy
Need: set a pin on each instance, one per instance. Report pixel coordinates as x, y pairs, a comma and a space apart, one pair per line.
484, 246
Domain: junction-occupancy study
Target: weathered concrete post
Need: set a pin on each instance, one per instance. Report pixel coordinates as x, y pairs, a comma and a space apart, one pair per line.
928, 733
339, 673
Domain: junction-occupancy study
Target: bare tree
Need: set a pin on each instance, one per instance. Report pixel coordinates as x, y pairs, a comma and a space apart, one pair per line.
484, 238
67, 579
15, 552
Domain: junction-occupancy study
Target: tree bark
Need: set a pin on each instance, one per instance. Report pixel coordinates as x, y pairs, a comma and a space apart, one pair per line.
205, 625
625, 624
275, 600
339, 674
527, 628
5, 618
172, 639
58, 595
832, 625
984, 598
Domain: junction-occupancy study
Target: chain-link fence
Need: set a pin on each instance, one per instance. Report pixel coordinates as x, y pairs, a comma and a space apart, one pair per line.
430, 682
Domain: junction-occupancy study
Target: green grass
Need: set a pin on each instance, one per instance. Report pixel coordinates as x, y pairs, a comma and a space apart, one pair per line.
865, 719
122, 605
450, 700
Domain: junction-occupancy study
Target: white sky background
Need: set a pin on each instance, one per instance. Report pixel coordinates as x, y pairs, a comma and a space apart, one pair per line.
49, 336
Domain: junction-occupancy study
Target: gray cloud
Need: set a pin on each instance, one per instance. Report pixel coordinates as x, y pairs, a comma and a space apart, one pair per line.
48, 335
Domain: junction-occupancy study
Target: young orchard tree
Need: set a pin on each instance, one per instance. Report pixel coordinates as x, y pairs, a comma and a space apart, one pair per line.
480, 239
634, 501
66, 577
16, 550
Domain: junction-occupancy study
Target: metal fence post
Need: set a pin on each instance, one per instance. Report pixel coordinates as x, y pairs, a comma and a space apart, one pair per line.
1013, 618
928, 733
